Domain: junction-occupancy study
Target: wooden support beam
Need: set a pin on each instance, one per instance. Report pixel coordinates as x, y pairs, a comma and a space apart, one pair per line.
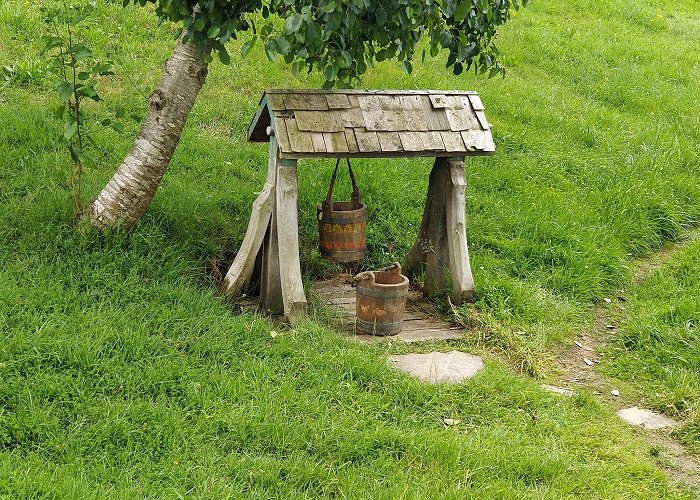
241, 271
460, 267
429, 253
441, 247
287, 219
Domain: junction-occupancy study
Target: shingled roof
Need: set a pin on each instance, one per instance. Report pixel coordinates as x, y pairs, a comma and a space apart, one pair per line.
373, 123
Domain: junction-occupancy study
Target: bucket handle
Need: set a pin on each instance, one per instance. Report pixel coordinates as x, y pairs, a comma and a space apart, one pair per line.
369, 275
328, 202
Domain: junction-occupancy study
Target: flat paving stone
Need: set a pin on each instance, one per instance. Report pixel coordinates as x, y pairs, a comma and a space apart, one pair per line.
420, 323
645, 418
448, 367
558, 390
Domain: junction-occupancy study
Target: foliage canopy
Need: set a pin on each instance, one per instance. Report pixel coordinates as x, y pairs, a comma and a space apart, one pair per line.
343, 38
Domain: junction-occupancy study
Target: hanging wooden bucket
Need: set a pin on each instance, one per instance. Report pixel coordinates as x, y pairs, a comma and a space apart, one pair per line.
342, 224
381, 300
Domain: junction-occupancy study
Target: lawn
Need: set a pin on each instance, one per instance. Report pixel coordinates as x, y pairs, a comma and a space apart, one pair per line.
657, 349
123, 375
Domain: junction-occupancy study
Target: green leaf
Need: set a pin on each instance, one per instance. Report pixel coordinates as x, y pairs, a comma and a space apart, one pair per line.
213, 31
282, 45
224, 56
329, 7
462, 10
81, 51
69, 129
247, 46
292, 24
51, 42
199, 24
407, 67
65, 90
74, 152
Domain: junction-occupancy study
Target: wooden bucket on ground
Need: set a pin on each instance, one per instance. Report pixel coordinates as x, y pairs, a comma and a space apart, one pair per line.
381, 300
342, 224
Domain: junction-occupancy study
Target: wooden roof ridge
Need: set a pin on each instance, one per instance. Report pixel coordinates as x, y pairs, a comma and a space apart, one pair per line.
369, 91
317, 123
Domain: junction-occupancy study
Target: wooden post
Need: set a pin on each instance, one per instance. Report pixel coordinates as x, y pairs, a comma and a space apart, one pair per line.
287, 215
441, 247
460, 267
241, 271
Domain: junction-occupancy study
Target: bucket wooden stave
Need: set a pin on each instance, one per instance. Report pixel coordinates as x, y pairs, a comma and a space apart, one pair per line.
342, 224
381, 301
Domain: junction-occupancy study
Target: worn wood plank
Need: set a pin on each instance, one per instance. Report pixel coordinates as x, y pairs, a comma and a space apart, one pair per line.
337, 101
319, 143
382, 112
286, 199
384, 120
473, 139
422, 141
270, 282
452, 141
241, 270
335, 142
433, 141
304, 101
439, 101
488, 145
389, 141
430, 251
460, 267
458, 119
281, 135
351, 117
436, 118
367, 141
300, 142
389, 102
481, 116
351, 141
276, 102
475, 101
318, 121
414, 111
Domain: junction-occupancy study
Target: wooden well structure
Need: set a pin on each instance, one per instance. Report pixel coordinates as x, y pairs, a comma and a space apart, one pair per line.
298, 124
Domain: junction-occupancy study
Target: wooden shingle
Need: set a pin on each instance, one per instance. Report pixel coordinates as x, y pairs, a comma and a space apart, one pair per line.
373, 123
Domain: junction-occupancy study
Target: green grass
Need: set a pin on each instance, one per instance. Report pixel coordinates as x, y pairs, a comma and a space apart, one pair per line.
658, 346
122, 375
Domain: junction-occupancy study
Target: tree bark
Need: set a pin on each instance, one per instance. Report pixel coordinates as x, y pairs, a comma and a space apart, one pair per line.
128, 194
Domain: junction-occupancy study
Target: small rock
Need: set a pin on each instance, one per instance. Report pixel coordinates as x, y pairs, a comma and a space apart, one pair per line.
588, 361
607, 300
273, 334
557, 390
645, 418
451, 421
615, 392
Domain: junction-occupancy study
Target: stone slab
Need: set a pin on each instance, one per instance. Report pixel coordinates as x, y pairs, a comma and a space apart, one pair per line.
421, 323
558, 390
645, 418
438, 367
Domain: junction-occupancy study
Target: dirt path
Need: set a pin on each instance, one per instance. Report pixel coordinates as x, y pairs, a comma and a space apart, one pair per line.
577, 364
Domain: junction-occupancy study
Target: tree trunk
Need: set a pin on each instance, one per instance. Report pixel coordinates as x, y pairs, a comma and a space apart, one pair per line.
127, 195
